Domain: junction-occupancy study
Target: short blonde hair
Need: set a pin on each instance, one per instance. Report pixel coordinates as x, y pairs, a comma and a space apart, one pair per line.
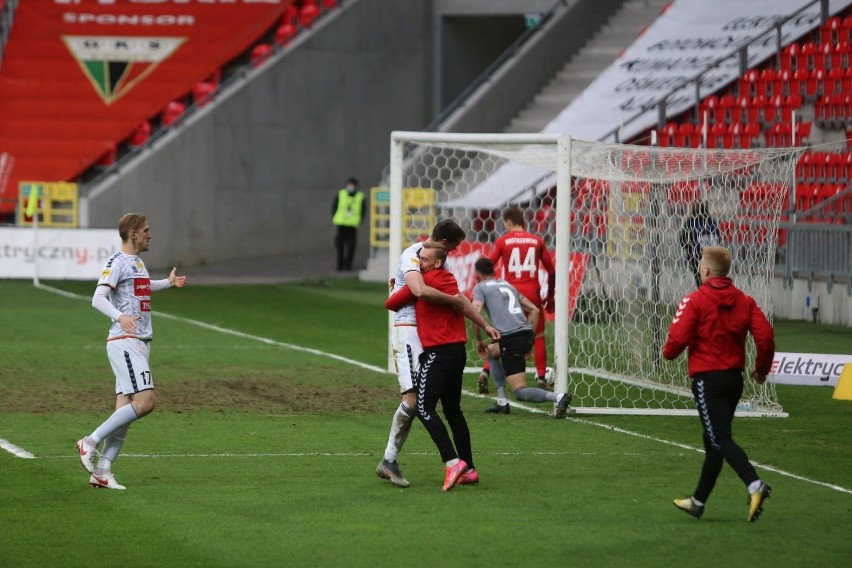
130, 222
717, 259
440, 250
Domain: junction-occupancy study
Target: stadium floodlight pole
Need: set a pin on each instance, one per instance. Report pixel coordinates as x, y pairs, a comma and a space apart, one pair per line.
563, 232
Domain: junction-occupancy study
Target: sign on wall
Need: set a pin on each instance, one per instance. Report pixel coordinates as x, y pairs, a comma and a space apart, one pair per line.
57, 254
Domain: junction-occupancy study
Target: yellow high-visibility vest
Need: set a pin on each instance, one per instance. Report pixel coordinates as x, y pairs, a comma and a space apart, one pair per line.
349, 208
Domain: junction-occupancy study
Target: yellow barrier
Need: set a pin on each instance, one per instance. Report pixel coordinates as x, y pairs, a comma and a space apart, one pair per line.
418, 215
843, 390
55, 204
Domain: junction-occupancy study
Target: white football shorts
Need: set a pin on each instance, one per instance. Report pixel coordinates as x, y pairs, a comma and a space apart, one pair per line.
128, 358
406, 354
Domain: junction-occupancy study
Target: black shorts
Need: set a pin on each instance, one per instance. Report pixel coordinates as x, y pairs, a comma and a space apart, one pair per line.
513, 347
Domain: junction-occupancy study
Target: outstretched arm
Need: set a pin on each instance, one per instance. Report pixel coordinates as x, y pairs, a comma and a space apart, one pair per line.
473, 315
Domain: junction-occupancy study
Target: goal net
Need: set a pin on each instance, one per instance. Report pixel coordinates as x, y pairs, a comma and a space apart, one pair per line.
612, 215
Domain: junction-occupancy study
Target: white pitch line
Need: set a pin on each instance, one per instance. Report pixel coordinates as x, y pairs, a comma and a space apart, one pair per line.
15, 450
468, 393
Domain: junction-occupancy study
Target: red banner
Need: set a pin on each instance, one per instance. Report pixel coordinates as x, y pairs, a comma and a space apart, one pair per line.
79, 76
460, 262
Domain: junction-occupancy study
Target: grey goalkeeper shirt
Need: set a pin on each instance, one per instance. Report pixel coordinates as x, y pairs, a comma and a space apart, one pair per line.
503, 304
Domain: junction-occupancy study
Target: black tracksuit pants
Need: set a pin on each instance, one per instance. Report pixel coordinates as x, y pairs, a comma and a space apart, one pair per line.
440, 379
716, 396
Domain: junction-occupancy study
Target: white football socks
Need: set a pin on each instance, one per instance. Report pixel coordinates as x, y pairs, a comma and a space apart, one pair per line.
400, 427
120, 418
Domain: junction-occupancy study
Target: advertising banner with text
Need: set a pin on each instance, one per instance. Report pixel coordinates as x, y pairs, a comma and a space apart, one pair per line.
57, 254
810, 369
79, 76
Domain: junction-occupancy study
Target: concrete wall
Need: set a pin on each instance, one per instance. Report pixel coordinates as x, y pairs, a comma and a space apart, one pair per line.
833, 303
497, 102
256, 175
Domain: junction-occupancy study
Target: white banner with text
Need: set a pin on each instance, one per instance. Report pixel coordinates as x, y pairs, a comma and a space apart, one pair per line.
812, 369
56, 254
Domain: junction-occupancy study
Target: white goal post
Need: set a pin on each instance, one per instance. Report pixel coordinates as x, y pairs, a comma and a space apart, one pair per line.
611, 214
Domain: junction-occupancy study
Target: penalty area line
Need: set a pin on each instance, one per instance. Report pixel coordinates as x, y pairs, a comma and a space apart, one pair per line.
377, 369
16, 451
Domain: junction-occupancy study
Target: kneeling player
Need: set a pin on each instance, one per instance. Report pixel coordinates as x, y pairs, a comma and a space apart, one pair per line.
515, 317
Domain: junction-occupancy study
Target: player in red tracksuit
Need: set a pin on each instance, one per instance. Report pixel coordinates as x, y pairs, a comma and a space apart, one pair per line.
520, 253
712, 323
443, 335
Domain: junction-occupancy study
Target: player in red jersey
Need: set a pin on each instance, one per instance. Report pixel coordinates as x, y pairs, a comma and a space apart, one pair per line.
443, 335
521, 253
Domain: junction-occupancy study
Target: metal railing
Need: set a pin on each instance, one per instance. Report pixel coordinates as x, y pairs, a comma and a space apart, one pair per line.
740, 53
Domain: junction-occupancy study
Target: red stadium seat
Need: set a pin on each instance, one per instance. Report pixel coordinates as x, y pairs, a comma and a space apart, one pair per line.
260, 53
725, 110
107, 158
291, 15
202, 93
815, 84
709, 104
285, 33
803, 133
748, 84
803, 167
172, 112
329, 4
766, 84
830, 33
807, 56
141, 135
308, 14
790, 57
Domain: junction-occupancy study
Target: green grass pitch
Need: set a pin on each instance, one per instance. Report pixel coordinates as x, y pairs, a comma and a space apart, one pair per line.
262, 452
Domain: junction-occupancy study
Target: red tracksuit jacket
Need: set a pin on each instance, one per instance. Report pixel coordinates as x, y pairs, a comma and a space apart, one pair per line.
713, 323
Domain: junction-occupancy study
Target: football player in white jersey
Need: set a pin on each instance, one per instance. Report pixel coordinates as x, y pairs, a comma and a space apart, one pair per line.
406, 344
123, 294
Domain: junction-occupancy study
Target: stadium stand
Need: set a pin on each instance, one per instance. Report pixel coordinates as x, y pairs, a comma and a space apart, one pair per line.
811, 81
138, 98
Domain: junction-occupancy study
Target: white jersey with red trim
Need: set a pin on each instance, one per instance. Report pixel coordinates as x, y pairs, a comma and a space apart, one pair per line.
409, 260
130, 293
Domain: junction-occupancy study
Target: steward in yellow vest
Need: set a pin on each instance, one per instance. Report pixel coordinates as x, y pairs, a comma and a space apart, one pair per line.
348, 211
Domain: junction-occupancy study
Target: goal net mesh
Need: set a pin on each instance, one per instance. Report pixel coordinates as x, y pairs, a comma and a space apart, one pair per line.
628, 264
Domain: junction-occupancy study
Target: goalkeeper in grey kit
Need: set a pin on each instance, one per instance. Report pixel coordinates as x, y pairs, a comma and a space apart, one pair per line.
514, 316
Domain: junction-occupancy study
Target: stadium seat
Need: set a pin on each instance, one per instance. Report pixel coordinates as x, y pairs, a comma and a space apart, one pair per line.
202, 93
686, 135
709, 105
668, 137
172, 112
260, 53
291, 15
285, 33
815, 84
107, 158
790, 57
803, 133
140, 135
725, 110
807, 56
308, 13
830, 33
759, 104
748, 84
784, 83
716, 139
766, 83
803, 167
329, 4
